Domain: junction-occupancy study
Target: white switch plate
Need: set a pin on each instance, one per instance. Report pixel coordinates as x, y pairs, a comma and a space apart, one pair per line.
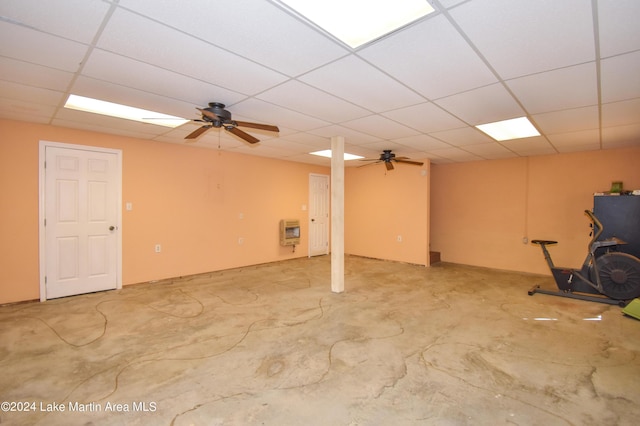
129, 206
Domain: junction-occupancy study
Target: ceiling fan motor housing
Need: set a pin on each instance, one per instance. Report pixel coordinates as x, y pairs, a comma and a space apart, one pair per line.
217, 109
387, 155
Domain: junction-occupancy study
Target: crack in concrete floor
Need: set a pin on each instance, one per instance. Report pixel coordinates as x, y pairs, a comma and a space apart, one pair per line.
270, 344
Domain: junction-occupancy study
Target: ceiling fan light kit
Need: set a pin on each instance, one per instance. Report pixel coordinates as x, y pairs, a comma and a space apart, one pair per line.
217, 116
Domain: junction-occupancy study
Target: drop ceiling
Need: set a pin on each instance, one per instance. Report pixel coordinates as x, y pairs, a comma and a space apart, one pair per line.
572, 67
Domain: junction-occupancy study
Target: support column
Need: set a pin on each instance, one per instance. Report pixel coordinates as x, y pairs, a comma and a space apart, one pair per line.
337, 214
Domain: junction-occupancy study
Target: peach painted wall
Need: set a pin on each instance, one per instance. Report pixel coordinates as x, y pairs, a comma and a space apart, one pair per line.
481, 211
187, 199
380, 205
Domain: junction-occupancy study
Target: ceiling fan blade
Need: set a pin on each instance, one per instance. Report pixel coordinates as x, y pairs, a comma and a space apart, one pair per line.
197, 132
208, 114
415, 163
257, 126
246, 136
388, 165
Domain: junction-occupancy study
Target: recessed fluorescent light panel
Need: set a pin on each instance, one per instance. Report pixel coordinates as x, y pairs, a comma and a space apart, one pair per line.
327, 153
96, 106
515, 128
356, 22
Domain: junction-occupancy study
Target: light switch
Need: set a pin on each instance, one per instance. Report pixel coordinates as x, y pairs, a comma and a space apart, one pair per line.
129, 206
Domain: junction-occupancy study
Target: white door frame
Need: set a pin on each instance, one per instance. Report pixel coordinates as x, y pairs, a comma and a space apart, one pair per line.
327, 222
41, 208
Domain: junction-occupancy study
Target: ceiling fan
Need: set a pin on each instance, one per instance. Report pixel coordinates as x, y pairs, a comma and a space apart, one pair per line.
216, 116
388, 157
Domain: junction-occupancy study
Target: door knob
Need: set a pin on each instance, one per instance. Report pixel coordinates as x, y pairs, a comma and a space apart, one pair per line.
111, 228
313, 220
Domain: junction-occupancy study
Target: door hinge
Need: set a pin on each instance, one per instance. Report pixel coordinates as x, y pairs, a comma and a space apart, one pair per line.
45, 279
45, 221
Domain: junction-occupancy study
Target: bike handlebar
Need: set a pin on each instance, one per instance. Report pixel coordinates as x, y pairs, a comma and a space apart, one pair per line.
597, 223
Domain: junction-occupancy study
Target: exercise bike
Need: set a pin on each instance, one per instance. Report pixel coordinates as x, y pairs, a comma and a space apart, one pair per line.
606, 276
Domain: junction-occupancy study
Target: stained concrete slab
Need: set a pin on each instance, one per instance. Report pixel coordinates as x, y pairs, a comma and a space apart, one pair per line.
271, 345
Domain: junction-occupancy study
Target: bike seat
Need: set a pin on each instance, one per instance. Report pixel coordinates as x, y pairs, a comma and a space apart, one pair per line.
546, 242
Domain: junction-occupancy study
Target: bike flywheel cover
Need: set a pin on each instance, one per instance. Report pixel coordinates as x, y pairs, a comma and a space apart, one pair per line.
619, 275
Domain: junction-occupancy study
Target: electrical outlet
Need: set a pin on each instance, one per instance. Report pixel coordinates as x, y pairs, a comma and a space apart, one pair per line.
240, 241
399, 238
158, 248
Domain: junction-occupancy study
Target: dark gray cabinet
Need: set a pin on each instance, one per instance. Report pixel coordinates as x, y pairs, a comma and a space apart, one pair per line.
620, 217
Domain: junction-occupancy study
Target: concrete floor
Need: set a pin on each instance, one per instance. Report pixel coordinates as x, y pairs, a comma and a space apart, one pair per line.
270, 344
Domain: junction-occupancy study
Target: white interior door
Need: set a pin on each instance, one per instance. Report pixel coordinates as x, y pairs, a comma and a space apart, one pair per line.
318, 214
81, 221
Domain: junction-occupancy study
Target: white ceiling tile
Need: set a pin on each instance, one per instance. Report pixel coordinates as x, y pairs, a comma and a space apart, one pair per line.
569, 120
451, 3
311, 101
351, 136
525, 37
421, 142
313, 142
380, 126
72, 19
425, 117
272, 114
618, 24
530, 146
10, 90
584, 140
430, 57
463, 136
86, 120
621, 113
149, 78
39, 48
258, 30
570, 87
34, 75
356, 81
456, 154
484, 105
172, 56
620, 136
161, 46
621, 77
366, 151
110, 92
490, 151
21, 110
